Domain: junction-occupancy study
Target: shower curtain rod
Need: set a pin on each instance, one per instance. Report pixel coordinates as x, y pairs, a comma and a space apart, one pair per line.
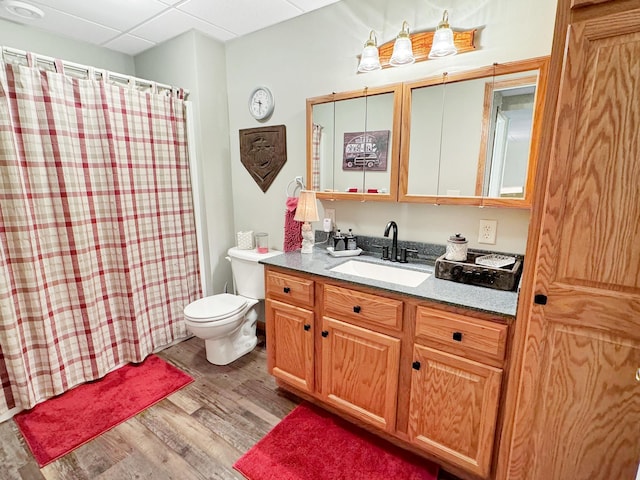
21, 57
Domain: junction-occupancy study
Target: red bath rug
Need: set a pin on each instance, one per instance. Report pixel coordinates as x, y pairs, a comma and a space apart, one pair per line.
57, 426
311, 444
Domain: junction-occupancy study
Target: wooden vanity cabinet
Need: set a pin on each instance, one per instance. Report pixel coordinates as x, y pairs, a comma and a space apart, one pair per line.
426, 378
290, 329
359, 364
455, 387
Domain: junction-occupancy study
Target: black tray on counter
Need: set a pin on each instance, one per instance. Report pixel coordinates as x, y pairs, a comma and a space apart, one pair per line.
500, 278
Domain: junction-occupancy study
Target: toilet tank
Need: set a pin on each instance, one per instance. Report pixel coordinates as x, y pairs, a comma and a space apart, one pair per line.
248, 274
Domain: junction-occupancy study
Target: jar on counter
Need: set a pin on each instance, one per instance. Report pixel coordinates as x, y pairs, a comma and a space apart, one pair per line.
456, 248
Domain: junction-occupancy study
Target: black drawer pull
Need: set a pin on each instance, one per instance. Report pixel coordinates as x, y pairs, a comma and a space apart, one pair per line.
325, 333
415, 365
286, 289
457, 336
356, 309
307, 327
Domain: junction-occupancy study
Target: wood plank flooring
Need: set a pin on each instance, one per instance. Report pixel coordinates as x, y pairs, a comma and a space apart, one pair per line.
196, 433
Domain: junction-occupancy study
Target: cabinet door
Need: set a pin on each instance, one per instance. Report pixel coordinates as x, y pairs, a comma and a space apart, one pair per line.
360, 372
578, 402
290, 344
454, 402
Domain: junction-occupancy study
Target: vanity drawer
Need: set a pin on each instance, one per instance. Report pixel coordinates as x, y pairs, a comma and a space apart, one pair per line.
462, 335
343, 303
290, 288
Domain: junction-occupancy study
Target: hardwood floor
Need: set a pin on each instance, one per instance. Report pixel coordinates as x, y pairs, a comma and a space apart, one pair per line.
196, 433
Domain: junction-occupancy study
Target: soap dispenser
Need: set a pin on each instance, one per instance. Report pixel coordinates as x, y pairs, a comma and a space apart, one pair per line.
339, 243
351, 241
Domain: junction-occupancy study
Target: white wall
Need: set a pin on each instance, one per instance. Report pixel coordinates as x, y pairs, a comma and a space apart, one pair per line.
317, 53
38, 41
197, 63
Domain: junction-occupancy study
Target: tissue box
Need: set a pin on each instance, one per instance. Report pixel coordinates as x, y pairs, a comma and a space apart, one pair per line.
245, 240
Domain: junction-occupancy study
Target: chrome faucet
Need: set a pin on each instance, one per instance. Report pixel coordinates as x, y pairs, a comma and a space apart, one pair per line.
394, 242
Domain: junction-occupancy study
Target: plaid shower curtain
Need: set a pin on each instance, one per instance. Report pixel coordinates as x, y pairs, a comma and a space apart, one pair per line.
98, 252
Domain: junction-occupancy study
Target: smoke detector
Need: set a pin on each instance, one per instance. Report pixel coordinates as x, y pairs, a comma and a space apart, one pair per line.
23, 10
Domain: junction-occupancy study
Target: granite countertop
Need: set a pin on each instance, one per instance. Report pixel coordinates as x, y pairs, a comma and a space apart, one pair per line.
443, 291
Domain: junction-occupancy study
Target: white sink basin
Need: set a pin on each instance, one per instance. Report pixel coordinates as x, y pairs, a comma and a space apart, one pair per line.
382, 273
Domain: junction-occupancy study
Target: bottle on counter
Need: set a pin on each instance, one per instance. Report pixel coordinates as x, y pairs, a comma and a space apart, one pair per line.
350, 239
339, 243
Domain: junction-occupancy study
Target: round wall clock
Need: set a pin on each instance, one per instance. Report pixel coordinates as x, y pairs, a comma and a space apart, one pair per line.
261, 103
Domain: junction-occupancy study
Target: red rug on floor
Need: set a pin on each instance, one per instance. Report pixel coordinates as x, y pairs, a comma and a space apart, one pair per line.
311, 444
56, 426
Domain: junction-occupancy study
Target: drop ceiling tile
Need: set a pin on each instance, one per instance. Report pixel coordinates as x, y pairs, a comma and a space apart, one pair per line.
173, 23
309, 5
66, 25
117, 14
129, 44
241, 16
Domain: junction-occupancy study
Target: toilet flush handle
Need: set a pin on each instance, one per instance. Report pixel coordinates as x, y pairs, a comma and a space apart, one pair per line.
228, 259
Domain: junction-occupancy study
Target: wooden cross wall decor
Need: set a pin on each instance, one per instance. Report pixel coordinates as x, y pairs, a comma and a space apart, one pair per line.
263, 152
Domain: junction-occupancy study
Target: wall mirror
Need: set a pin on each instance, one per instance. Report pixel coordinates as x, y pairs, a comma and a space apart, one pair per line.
471, 138
353, 144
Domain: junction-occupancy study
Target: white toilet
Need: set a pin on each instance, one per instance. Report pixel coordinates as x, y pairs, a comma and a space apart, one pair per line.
226, 322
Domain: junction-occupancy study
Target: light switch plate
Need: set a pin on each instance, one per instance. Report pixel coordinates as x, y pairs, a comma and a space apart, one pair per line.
487, 232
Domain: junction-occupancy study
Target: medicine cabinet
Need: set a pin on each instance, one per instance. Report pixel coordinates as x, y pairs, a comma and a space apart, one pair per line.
353, 144
471, 138
467, 138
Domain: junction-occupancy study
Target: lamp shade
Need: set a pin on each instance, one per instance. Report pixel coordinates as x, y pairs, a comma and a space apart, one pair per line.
370, 59
443, 44
402, 48
307, 209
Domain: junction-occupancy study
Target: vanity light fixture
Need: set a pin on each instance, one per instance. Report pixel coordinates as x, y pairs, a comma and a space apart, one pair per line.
307, 211
443, 45
370, 59
23, 10
402, 50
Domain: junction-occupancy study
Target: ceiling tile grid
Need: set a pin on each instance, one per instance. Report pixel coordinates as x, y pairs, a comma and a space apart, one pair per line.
131, 26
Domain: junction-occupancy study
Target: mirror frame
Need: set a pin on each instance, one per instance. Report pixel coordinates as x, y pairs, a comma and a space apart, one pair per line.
394, 151
541, 64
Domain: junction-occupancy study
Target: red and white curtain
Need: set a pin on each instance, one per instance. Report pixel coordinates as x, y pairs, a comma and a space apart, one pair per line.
98, 252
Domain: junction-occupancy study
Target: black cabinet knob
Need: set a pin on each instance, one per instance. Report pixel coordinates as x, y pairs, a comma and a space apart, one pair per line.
540, 299
356, 309
325, 333
286, 289
415, 365
457, 336
307, 327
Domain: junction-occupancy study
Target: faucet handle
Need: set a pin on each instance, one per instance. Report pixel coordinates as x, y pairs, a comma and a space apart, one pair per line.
403, 254
385, 251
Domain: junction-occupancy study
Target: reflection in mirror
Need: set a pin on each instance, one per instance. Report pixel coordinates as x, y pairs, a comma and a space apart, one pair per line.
426, 131
504, 155
353, 143
472, 140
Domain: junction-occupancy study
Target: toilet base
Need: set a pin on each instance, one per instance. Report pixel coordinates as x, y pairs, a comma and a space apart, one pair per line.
223, 351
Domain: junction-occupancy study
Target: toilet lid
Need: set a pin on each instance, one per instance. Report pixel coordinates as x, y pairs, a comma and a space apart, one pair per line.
215, 306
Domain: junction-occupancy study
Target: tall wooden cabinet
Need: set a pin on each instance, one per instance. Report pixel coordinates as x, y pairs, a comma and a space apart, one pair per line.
576, 405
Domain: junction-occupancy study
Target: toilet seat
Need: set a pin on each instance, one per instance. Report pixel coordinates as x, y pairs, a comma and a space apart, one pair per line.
215, 308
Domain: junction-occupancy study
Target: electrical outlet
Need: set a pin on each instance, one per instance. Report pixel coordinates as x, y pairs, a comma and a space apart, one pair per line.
331, 213
487, 232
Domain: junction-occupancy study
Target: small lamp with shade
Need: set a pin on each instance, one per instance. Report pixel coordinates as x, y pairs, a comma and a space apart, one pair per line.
307, 211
